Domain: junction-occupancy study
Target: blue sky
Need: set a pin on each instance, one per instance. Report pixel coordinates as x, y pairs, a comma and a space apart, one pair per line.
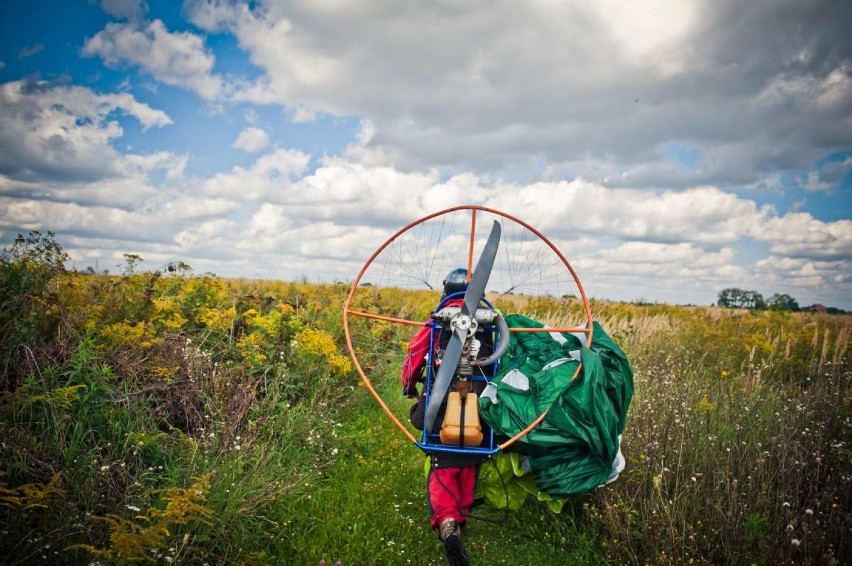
703, 140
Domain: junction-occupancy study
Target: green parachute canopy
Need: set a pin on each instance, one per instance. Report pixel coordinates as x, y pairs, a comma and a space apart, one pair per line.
576, 446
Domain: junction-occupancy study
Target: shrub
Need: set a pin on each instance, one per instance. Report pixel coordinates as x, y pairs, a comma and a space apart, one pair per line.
28, 310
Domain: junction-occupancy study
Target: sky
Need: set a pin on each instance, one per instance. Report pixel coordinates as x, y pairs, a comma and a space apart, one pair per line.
673, 148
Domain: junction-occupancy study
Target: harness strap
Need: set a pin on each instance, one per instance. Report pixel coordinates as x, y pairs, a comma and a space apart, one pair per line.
461, 431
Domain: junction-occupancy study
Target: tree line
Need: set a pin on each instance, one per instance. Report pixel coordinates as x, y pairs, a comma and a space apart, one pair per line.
734, 298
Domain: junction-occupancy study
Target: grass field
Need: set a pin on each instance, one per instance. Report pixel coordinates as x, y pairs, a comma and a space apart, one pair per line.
199, 420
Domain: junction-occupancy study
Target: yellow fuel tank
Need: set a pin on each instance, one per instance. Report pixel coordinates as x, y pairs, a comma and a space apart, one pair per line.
451, 430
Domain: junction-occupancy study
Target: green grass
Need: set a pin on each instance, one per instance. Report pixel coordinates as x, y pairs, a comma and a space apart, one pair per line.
369, 507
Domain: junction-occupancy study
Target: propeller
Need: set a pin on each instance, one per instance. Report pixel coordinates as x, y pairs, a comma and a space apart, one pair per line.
460, 326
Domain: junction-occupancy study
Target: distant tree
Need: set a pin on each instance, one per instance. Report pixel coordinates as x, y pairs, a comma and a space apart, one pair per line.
783, 302
730, 298
734, 298
754, 300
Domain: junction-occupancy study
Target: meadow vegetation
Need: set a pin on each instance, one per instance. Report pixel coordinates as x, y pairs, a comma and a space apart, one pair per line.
170, 418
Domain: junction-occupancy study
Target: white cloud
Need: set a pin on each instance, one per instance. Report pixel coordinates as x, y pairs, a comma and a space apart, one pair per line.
129, 187
822, 93
346, 192
798, 234
277, 219
326, 240
466, 104
213, 16
827, 177
122, 193
171, 164
270, 221
112, 223
288, 245
649, 33
127, 9
674, 273
146, 115
211, 234
64, 131
303, 114
800, 272
252, 140
30, 50
360, 150
269, 178
809, 281
618, 130
175, 58
591, 89
705, 215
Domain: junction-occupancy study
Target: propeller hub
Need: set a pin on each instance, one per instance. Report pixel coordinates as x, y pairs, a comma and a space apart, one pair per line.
464, 322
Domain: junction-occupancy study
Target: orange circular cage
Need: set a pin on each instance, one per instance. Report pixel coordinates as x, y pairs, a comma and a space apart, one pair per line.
474, 211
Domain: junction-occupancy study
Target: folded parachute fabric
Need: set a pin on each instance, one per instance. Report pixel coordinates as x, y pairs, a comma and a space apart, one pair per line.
503, 482
577, 446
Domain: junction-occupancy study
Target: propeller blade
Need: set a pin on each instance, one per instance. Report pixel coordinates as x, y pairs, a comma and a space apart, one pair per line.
480, 276
453, 352
446, 371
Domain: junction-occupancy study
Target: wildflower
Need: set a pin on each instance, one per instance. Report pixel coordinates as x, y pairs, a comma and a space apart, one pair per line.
809, 512
795, 542
705, 406
133, 508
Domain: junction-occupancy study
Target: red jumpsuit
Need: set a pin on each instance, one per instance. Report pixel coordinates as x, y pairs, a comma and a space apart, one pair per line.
449, 488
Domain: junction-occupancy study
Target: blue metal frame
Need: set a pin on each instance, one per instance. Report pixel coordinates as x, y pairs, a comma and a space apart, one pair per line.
431, 442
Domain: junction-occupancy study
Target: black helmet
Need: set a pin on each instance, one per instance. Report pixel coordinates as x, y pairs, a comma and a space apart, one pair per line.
455, 281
